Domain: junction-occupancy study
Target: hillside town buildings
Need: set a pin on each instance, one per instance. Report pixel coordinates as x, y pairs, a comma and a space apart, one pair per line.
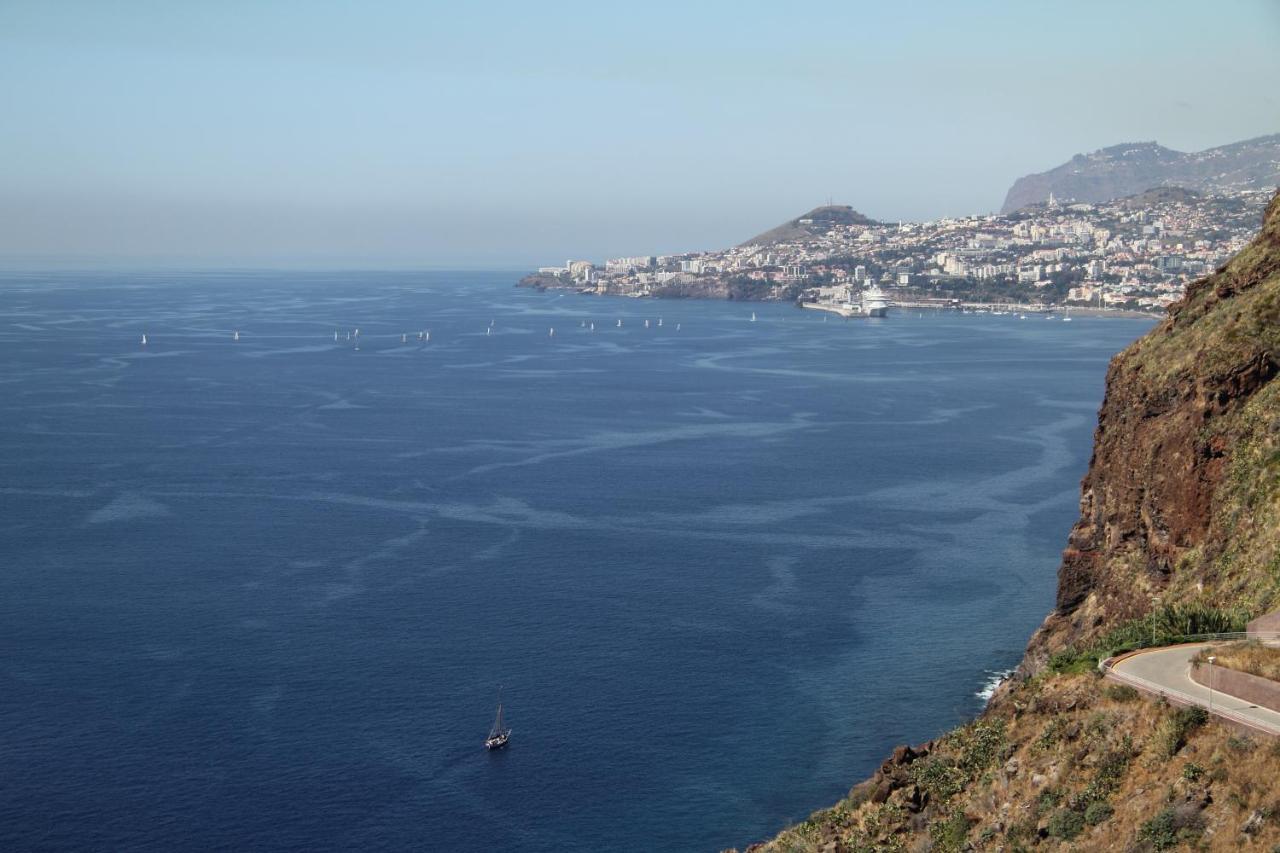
1136, 253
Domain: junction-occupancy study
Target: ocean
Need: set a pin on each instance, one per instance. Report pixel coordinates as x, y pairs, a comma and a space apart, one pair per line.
261, 594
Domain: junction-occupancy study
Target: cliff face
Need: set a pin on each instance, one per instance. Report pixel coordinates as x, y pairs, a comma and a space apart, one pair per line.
1178, 505
1179, 528
1123, 170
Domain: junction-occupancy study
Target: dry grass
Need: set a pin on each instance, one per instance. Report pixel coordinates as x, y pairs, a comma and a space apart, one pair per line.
1251, 657
1081, 767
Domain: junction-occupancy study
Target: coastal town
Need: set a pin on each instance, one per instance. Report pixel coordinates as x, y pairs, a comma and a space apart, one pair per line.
1132, 254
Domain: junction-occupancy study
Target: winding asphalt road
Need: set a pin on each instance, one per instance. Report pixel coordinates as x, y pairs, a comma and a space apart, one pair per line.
1168, 671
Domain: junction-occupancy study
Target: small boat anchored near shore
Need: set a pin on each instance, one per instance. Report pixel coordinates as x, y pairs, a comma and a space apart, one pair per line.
499, 734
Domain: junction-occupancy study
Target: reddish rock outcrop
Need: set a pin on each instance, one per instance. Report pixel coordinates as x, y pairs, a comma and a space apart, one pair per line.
1163, 446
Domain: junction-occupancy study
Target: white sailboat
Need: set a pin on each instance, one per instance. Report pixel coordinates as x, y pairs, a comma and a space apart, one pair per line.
619, 323
499, 734
753, 316
677, 327
593, 327
404, 338
646, 324
144, 340
552, 332
236, 336
426, 336
488, 331
335, 336
659, 322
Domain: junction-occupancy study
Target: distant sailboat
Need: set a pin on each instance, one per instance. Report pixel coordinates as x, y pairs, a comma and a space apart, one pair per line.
619, 324
491, 322
659, 322
488, 331
753, 316
144, 340
499, 734
593, 327
426, 339
236, 336
552, 332
404, 338
646, 324
677, 327
335, 336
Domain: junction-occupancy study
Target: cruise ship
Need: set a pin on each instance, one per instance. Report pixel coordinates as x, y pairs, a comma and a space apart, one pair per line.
874, 302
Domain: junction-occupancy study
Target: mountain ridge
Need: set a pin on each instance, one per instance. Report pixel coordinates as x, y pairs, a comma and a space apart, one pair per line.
1130, 168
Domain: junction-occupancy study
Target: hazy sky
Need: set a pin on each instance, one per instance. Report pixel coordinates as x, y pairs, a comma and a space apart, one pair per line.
505, 134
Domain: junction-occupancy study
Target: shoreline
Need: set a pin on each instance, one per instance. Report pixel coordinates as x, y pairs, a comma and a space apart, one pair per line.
547, 283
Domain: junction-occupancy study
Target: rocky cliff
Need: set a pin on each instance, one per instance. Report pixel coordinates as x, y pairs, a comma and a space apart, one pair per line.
1179, 531
1124, 170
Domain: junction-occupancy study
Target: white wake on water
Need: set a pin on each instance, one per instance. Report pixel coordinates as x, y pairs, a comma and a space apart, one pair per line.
995, 677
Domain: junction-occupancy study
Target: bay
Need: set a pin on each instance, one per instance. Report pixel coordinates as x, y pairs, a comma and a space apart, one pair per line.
260, 594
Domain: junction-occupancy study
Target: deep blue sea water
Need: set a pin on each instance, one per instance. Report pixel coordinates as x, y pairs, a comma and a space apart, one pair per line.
261, 594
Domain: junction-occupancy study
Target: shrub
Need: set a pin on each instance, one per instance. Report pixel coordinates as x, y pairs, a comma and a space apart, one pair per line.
1240, 743
1048, 799
939, 776
1120, 693
1106, 780
1171, 734
979, 745
1171, 826
949, 835
1192, 771
1071, 661
1159, 831
1051, 735
1066, 824
1098, 813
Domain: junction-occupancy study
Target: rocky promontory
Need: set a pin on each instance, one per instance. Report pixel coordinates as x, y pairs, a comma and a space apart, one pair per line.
1179, 533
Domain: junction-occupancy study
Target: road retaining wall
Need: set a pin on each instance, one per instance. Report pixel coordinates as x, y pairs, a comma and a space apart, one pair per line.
1257, 691
1265, 628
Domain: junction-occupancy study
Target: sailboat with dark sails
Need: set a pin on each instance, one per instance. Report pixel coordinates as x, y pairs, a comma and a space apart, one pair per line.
499, 734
